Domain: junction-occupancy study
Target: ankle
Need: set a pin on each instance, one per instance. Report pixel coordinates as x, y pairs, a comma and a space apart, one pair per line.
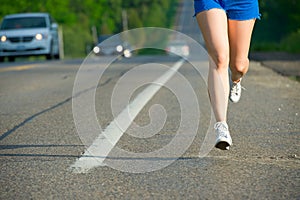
237, 81
221, 122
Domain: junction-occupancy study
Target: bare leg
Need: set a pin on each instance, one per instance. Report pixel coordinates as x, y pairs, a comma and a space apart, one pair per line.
213, 24
239, 33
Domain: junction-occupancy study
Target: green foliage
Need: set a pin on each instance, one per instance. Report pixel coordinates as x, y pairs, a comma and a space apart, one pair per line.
291, 43
77, 17
76, 41
279, 27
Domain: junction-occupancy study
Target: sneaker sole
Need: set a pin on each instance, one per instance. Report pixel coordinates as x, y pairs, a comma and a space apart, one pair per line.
222, 145
234, 101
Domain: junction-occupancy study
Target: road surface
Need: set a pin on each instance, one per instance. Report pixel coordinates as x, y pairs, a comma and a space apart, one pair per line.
39, 142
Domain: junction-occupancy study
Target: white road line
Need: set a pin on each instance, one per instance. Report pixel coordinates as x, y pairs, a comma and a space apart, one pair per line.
104, 143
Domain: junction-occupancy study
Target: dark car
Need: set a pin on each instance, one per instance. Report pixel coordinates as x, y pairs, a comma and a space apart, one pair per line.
112, 45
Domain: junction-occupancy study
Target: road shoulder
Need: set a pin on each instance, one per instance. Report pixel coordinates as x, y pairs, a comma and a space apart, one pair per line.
283, 63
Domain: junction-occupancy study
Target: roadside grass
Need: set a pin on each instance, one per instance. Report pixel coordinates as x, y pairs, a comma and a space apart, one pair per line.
151, 51
295, 78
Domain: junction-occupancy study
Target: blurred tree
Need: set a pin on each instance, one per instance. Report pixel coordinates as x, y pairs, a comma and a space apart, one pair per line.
280, 25
78, 16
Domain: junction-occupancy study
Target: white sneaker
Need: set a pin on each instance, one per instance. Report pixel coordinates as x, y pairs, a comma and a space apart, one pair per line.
235, 91
223, 140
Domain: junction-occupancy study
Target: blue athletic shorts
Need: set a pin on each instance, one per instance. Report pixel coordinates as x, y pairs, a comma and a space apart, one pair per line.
235, 9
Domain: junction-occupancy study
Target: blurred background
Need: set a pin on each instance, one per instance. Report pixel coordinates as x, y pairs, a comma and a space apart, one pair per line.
279, 27
83, 21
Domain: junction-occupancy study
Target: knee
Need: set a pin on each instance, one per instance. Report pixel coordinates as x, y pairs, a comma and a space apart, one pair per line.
240, 65
221, 61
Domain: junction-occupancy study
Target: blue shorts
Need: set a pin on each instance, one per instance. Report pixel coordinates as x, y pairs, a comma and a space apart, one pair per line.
235, 9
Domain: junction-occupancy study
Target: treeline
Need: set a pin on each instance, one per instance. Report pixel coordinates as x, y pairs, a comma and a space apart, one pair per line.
278, 30
77, 17
279, 27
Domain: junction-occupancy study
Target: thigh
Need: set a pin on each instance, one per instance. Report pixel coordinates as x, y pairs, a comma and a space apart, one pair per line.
213, 25
239, 34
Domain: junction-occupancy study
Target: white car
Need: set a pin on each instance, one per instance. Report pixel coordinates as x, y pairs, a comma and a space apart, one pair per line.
28, 34
178, 48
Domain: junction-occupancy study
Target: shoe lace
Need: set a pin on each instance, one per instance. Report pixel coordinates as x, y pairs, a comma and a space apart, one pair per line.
221, 126
222, 129
236, 87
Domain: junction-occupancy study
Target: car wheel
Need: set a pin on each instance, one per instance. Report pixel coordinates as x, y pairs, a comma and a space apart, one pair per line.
50, 55
56, 56
11, 59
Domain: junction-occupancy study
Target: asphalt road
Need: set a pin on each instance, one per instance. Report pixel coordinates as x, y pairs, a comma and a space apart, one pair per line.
39, 142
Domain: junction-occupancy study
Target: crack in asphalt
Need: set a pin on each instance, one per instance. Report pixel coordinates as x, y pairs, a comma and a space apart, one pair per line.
28, 119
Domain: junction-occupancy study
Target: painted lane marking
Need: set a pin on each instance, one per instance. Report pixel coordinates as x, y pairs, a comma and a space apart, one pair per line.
17, 68
96, 153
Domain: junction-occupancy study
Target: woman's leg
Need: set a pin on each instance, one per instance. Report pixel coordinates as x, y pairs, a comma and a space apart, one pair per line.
213, 25
239, 34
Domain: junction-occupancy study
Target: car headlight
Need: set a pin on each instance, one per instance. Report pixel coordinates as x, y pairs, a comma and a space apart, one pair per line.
119, 48
3, 38
39, 36
96, 49
127, 53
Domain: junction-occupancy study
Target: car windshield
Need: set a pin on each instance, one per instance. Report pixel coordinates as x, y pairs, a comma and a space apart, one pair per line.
23, 22
110, 40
